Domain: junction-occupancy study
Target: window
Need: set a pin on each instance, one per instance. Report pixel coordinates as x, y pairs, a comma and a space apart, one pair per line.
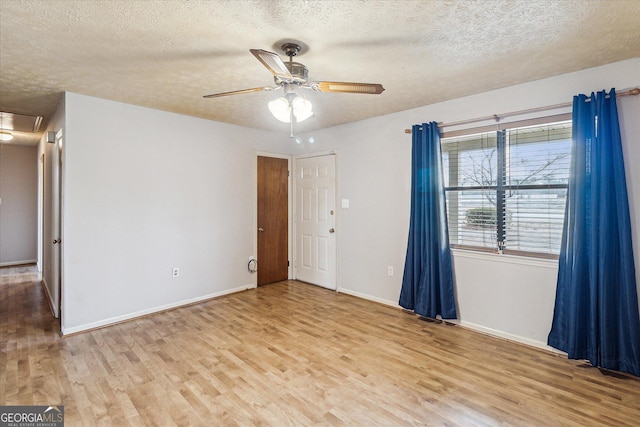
507, 189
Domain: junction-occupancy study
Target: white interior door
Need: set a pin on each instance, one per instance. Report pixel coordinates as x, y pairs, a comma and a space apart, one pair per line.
315, 220
56, 222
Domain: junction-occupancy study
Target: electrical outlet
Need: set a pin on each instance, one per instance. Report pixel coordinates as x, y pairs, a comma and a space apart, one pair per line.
175, 272
390, 271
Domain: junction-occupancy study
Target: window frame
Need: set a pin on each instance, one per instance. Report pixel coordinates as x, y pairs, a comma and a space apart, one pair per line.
501, 186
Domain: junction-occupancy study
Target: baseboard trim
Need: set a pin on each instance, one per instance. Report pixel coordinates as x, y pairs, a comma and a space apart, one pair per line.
467, 325
66, 331
151, 311
18, 263
505, 335
368, 297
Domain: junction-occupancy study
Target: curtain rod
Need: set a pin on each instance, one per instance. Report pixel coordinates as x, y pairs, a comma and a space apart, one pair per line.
498, 117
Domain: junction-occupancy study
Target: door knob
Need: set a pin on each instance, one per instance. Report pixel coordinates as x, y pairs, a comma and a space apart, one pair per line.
260, 229
331, 230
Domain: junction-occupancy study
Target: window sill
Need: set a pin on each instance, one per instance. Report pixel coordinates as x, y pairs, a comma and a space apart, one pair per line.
507, 258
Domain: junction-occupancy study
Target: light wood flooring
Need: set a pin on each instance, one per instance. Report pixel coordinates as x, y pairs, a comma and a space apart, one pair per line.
19, 273
293, 354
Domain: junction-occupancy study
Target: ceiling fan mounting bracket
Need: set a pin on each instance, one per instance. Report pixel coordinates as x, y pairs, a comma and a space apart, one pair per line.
291, 49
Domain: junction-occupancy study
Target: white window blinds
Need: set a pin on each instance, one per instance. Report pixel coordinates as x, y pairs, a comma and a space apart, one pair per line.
507, 189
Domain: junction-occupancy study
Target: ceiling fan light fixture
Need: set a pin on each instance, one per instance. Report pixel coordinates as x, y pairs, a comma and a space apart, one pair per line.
281, 109
5, 135
302, 108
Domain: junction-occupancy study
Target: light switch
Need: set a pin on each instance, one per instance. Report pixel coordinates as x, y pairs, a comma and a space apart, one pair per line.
345, 203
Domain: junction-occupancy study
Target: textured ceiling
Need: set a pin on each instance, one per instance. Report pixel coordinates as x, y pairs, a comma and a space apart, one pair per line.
167, 54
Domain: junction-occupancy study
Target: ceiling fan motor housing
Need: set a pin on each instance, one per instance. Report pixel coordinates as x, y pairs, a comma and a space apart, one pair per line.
299, 73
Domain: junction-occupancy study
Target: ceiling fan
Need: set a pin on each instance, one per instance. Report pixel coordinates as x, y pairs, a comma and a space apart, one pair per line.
291, 76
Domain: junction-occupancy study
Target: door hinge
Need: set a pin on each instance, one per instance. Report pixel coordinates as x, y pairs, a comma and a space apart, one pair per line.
288, 264
288, 173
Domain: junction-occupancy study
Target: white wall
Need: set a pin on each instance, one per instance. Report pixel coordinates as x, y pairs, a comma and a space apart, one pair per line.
18, 206
145, 191
507, 296
629, 114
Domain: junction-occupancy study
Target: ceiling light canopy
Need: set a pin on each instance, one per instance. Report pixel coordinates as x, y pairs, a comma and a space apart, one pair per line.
5, 135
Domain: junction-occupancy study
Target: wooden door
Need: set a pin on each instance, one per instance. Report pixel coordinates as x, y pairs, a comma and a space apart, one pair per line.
315, 220
273, 234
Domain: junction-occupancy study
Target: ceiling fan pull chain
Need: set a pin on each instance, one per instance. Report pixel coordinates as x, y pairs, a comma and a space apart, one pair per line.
291, 121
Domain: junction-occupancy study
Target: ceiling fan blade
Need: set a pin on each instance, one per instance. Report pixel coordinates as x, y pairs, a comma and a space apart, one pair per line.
347, 87
272, 62
238, 92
